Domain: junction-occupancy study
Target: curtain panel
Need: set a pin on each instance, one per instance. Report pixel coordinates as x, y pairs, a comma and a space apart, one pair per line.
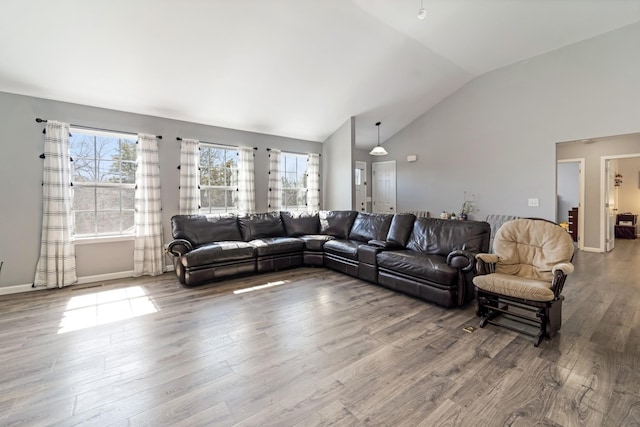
56, 265
148, 255
189, 177
275, 180
246, 181
313, 183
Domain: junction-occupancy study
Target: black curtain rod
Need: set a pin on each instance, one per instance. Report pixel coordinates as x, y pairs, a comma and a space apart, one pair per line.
215, 143
297, 152
39, 120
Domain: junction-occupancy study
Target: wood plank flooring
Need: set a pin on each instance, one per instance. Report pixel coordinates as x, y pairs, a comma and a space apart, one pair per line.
316, 347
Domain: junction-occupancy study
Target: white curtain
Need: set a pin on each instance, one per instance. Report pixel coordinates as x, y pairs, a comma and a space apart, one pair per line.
313, 182
275, 180
189, 177
246, 181
148, 257
57, 263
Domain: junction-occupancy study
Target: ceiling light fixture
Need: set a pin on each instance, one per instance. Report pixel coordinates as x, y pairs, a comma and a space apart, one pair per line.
422, 12
378, 150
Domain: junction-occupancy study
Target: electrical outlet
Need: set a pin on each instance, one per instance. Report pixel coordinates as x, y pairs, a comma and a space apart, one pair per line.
535, 202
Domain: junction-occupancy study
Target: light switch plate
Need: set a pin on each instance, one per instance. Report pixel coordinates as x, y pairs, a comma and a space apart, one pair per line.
535, 202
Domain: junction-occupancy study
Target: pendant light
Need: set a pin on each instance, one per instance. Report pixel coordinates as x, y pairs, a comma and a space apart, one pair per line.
422, 12
378, 150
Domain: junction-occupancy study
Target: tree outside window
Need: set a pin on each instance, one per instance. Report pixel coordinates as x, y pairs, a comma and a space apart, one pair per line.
103, 176
218, 179
294, 182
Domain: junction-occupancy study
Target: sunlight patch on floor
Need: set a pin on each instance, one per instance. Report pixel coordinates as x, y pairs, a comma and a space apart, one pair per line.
100, 308
255, 288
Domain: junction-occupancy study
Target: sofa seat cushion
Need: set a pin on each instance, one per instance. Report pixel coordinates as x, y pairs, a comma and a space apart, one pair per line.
343, 248
430, 267
315, 242
217, 252
514, 286
277, 245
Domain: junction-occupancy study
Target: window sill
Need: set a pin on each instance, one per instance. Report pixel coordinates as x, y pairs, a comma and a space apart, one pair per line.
106, 239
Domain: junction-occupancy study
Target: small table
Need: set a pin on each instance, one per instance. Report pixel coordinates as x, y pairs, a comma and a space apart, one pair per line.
625, 227
625, 231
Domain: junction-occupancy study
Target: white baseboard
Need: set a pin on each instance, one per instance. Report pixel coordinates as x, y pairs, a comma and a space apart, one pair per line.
103, 277
16, 289
587, 249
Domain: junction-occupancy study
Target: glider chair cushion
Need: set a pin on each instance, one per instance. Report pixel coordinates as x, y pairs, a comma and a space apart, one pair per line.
523, 279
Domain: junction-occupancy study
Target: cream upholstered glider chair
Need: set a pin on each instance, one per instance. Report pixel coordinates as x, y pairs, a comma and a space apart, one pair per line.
523, 279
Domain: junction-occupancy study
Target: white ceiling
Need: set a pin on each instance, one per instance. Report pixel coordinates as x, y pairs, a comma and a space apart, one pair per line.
295, 68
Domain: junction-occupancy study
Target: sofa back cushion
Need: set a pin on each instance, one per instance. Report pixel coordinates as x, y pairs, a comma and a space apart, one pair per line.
370, 226
435, 236
201, 229
300, 223
401, 228
260, 225
337, 223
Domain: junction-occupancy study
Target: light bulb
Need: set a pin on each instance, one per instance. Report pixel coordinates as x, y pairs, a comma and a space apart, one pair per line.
422, 13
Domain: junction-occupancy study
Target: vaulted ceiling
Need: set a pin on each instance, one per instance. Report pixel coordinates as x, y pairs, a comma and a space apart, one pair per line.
294, 68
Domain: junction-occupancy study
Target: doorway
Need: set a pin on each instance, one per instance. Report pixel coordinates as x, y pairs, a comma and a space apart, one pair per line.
594, 150
384, 186
570, 189
360, 180
616, 196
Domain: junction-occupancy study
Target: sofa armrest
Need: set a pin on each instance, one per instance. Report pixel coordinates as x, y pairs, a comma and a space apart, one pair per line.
487, 258
383, 244
560, 273
565, 267
179, 247
462, 260
486, 263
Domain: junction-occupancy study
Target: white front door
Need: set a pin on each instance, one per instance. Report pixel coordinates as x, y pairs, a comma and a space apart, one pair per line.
383, 175
360, 180
611, 208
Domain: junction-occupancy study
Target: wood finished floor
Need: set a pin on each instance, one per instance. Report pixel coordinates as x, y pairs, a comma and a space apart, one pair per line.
319, 349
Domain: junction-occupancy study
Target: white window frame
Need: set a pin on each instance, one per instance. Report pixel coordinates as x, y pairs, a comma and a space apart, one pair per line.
233, 186
96, 236
302, 190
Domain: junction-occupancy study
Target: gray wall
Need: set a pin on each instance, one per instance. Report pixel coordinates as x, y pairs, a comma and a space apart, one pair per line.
337, 179
568, 189
592, 152
496, 136
21, 176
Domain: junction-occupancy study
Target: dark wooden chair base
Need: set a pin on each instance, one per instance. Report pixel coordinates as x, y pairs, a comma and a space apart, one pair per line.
543, 317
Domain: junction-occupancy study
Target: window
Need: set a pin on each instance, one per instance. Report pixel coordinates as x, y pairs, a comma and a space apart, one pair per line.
218, 179
103, 175
294, 182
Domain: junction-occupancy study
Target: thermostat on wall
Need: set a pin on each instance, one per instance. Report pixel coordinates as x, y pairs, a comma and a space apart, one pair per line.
412, 158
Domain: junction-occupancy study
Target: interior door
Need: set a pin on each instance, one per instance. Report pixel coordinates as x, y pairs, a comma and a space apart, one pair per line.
360, 180
611, 208
383, 175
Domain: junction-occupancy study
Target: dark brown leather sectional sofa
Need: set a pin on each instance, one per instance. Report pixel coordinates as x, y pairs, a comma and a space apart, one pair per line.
429, 258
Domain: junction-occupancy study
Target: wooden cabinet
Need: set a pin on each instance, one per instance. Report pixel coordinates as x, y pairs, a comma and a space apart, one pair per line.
573, 224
